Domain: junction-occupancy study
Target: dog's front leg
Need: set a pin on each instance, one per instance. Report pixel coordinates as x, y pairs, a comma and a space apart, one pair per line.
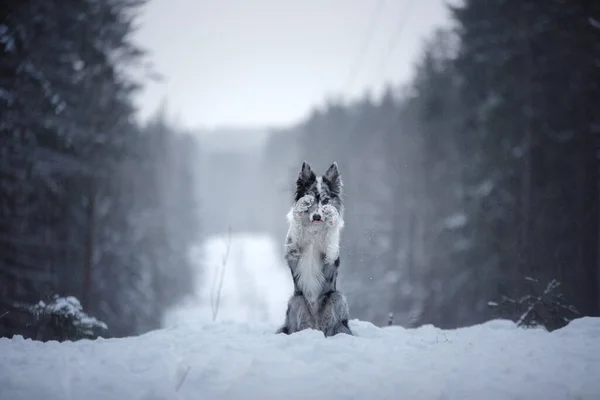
332, 217
293, 246
293, 252
333, 224
295, 219
302, 206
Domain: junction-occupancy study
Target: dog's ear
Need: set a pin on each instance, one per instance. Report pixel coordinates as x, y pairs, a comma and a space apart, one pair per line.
306, 175
333, 178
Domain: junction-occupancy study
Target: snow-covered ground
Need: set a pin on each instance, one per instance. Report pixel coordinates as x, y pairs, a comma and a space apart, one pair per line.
256, 283
209, 361
239, 357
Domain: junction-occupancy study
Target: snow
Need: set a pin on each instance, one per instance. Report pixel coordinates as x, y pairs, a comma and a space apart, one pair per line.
6, 39
256, 283
455, 221
485, 188
199, 360
6, 96
239, 357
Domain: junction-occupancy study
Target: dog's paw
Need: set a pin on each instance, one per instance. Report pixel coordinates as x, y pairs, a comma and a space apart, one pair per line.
331, 215
304, 204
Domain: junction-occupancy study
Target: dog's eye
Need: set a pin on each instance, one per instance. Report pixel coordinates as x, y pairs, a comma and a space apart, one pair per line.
325, 201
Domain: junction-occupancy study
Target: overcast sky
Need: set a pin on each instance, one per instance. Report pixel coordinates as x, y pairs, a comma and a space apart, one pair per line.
264, 62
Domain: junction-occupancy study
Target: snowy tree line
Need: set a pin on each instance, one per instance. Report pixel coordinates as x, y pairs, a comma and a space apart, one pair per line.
479, 178
92, 204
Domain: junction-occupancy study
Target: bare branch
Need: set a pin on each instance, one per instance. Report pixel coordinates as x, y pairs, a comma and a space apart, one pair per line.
185, 374
219, 278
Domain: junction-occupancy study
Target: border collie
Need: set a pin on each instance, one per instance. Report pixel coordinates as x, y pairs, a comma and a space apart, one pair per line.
312, 248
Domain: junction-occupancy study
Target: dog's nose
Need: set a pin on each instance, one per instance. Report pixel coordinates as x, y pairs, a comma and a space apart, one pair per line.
316, 217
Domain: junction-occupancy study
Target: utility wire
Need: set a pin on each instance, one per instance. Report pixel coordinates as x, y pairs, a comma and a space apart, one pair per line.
396, 36
365, 44
390, 49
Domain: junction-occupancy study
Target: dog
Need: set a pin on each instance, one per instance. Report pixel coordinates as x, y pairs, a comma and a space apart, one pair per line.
312, 248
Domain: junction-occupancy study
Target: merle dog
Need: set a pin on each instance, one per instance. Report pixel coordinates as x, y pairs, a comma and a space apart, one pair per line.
312, 248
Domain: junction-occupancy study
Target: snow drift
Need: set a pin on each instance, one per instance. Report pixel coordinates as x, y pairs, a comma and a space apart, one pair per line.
495, 360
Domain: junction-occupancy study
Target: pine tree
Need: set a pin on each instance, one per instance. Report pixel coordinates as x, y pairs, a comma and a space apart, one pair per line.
74, 169
531, 114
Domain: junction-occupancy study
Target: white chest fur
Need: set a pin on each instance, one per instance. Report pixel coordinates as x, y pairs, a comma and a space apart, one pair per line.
318, 244
310, 272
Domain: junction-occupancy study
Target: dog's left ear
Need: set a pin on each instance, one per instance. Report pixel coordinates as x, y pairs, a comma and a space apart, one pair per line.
306, 174
333, 178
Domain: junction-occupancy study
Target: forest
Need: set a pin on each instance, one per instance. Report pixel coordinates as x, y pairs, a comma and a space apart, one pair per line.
471, 192
94, 207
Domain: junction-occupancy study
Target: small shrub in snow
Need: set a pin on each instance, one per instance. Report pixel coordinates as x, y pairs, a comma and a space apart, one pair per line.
66, 319
390, 319
545, 307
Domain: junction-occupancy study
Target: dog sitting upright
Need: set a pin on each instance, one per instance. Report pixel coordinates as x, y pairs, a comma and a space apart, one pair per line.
312, 248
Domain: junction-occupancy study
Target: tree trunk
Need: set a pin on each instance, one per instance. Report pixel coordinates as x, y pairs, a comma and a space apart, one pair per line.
526, 263
589, 221
89, 256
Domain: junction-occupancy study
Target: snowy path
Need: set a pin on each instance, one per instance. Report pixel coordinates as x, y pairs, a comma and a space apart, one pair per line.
494, 361
256, 284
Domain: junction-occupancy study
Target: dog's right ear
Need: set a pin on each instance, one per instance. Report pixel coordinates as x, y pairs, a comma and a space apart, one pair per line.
305, 179
306, 174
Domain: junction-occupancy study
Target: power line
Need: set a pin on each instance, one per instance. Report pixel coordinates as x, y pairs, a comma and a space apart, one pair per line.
365, 44
387, 56
392, 44
396, 36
